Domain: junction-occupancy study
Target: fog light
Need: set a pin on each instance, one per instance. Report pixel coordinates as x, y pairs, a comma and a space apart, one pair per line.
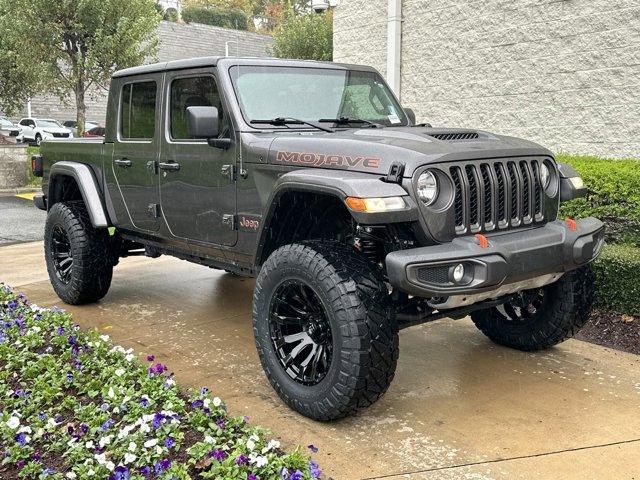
458, 273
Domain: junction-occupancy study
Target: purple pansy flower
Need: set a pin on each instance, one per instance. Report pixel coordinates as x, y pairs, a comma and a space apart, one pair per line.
252, 476
297, 475
21, 438
284, 473
242, 459
150, 358
313, 448
120, 473
218, 454
169, 442
314, 469
161, 466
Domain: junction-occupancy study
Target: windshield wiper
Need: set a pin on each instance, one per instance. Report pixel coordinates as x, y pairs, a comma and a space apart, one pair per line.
348, 120
283, 122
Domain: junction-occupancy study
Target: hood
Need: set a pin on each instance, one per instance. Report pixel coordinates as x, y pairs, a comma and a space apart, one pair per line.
374, 150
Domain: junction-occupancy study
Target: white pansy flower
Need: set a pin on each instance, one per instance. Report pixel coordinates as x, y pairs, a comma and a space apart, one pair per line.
129, 457
89, 444
104, 338
258, 460
209, 439
217, 402
111, 393
251, 444
151, 443
158, 450
71, 475
271, 445
25, 429
119, 372
110, 465
132, 446
100, 458
91, 472
129, 357
105, 441
144, 428
13, 423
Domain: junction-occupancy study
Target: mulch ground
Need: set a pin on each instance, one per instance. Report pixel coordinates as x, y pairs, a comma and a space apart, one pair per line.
621, 332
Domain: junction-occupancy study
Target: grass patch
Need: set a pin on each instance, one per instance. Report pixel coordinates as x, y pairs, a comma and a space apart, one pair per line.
72, 405
33, 181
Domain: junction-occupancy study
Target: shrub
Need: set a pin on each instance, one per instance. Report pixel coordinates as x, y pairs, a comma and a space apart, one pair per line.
236, 19
305, 36
618, 279
72, 405
171, 15
614, 195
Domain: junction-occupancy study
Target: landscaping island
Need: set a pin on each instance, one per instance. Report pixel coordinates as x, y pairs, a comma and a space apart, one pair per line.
74, 406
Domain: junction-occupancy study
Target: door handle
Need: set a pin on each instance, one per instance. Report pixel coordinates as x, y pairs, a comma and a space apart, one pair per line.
122, 162
171, 166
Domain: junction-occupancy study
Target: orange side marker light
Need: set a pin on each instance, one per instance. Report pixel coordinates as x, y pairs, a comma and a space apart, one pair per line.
482, 240
571, 224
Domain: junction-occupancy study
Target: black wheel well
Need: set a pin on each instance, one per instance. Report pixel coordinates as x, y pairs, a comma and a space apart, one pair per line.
63, 188
298, 216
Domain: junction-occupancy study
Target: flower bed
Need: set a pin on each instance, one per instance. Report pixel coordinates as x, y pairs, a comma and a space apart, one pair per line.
74, 406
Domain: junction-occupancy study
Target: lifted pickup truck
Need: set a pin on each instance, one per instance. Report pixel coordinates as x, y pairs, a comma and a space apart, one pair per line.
356, 221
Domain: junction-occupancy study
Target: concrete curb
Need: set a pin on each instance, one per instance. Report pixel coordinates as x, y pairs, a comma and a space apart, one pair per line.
16, 191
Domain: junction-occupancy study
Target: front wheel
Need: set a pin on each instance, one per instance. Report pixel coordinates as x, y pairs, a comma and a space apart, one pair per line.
79, 257
543, 317
38, 139
322, 328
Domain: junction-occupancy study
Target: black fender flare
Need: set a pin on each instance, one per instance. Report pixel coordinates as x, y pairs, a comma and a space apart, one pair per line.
88, 186
339, 184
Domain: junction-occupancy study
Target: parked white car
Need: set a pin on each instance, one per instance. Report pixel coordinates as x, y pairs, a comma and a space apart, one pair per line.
7, 128
34, 130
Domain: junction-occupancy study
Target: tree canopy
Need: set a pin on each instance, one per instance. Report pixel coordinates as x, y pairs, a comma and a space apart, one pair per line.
67, 46
304, 35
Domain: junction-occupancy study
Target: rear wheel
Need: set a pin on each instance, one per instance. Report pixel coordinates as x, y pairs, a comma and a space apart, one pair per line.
322, 328
543, 317
79, 257
38, 139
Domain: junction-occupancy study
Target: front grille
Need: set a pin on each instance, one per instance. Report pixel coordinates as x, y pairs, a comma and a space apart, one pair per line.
451, 136
496, 195
61, 135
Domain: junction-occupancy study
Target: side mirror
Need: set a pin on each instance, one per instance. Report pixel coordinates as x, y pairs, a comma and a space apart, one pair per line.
411, 114
202, 122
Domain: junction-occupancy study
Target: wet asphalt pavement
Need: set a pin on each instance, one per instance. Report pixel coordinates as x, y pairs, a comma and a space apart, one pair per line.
20, 220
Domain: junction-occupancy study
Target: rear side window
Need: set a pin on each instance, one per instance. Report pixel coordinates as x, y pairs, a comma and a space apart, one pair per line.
138, 110
191, 92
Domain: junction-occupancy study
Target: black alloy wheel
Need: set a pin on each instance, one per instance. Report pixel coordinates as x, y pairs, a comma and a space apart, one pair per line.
61, 253
300, 332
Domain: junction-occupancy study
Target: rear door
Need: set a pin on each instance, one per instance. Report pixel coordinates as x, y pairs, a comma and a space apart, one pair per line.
198, 198
136, 149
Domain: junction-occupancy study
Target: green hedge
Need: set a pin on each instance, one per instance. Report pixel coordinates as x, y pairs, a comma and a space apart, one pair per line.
236, 19
614, 195
618, 279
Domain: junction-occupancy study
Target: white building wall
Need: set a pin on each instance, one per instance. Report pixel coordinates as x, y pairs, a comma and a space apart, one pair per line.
564, 73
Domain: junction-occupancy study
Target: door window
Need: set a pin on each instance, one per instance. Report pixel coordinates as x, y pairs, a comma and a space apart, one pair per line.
138, 111
192, 92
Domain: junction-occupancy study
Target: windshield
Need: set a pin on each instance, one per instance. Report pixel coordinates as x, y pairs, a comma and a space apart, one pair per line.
48, 124
311, 94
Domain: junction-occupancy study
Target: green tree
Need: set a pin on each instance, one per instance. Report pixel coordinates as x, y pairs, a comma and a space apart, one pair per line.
307, 36
68, 46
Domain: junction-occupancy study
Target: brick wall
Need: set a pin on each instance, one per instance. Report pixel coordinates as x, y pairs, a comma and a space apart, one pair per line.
177, 41
564, 73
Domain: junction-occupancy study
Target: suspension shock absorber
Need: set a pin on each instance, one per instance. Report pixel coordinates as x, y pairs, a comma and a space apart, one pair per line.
368, 243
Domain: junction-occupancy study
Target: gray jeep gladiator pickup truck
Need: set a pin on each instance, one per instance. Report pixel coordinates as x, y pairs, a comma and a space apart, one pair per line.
356, 221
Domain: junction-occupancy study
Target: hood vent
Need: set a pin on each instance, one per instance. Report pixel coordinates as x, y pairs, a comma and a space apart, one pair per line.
453, 136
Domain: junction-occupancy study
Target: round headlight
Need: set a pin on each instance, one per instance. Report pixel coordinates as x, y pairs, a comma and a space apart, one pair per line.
545, 175
427, 188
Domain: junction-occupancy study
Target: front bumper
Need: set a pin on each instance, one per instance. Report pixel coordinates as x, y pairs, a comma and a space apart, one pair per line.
511, 262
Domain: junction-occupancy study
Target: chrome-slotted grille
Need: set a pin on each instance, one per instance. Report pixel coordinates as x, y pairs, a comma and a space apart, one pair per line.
496, 195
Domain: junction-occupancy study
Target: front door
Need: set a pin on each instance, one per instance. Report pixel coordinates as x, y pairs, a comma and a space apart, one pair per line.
135, 152
198, 198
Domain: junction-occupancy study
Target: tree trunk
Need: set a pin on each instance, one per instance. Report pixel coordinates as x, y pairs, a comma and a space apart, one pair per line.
81, 108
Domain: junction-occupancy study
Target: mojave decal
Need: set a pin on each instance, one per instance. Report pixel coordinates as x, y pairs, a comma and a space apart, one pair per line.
322, 160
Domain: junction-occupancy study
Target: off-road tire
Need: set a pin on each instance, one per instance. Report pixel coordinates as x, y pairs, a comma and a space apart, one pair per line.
564, 311
92, 267
364, 335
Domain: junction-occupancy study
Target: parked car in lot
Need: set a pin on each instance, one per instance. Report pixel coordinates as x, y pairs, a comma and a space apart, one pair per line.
7, 128
356, 220
73, 125
95, 132
35, 130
